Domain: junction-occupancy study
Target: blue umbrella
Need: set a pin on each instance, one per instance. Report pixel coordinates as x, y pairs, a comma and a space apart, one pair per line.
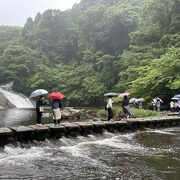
177, 96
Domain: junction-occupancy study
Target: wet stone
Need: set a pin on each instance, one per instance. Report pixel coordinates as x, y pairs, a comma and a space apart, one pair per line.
56, 131
39, 127
111, 126
41, 132
5, 131
71, 126
159, 123
86, 127
150, 123
20, 129
122, 125
6, 136
23, 133
142, 124
72, 129
133, 124
99, 126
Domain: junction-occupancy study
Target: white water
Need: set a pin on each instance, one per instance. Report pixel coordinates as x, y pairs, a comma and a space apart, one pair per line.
18, 100
108, 156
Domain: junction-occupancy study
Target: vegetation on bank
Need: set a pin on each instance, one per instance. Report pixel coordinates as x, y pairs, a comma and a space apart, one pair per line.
118, 113
96, 47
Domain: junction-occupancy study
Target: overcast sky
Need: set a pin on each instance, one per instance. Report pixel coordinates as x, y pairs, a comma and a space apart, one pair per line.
15, 12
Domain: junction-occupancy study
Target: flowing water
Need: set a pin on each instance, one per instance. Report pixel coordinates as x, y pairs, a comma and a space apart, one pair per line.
146, 155
18, 100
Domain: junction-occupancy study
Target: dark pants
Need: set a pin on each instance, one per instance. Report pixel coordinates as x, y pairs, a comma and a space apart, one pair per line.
110, 114
127, 111
39, 116
57, 121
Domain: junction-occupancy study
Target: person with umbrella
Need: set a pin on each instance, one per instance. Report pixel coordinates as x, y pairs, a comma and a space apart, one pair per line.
39, 93
109, 108
56, 106
108, 105
39, 109
156, 103
126, 109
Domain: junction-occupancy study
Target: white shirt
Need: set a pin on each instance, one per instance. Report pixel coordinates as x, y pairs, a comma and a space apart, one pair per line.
171, 104
109, 103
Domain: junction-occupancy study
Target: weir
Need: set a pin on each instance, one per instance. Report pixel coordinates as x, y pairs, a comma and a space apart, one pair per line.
47, 131
16, 99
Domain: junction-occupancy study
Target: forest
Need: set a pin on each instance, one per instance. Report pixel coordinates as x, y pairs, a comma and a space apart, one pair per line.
96, 47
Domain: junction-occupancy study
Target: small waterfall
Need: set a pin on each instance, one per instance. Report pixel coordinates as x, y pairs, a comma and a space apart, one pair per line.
18, 100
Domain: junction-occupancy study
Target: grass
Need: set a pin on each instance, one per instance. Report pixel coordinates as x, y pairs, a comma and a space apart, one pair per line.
118, 113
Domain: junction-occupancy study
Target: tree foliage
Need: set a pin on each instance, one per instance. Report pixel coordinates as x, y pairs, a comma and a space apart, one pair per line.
96, 47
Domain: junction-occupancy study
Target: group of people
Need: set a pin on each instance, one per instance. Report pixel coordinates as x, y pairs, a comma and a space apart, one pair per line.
156, 104
125, 106
56, 109
175, 106
138, 104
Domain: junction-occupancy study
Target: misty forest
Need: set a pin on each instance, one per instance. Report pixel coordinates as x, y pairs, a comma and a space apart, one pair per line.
96, 47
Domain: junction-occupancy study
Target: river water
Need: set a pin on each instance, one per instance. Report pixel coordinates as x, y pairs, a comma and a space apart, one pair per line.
146, 155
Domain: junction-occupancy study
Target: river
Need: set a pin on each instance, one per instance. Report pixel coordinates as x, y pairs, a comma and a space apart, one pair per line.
146, 155
141, 155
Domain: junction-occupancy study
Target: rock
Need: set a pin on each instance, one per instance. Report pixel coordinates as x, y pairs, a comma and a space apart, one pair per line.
67, 112
70, 112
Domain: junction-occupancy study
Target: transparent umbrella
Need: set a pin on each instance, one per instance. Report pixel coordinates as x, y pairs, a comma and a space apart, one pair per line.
159, 99
141, 99
38, 92
132, 100
110, 94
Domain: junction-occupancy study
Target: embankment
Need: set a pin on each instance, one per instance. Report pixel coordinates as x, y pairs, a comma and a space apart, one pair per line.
47, 131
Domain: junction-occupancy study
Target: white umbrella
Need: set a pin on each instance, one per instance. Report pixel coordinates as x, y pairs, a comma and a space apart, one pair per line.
132, 100
159, 99
110, 94
38, 92
174, 98
141, 99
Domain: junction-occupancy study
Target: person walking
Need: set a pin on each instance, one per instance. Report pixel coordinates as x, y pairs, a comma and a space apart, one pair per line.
56, 108
109, 108
154, 104
158, 105
171, 105
39, 109
126, 108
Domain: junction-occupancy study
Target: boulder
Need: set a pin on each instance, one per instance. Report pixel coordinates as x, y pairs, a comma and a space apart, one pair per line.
70, 112
67, 112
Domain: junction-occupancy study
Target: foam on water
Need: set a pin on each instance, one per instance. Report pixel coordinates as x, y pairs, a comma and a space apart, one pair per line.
124, 143
17, 155
161, 131
92, 156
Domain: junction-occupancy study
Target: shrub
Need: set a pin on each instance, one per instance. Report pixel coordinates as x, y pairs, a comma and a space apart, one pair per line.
118, 113
144, 113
